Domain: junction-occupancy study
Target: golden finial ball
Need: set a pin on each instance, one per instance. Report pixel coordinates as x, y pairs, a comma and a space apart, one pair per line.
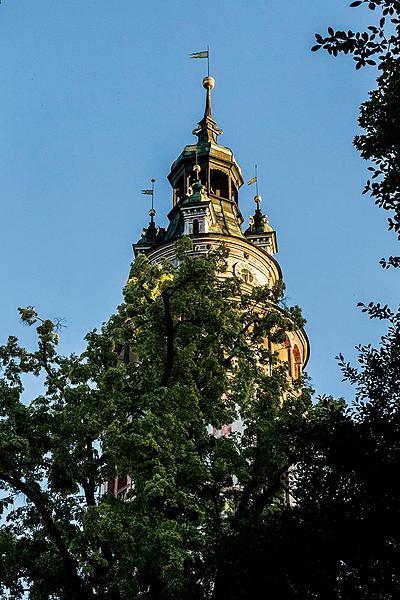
197, 168
257, 199
208, 82
152, 212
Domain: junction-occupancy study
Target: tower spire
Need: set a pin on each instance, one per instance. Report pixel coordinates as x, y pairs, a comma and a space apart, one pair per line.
208, 84
259, 219
207, 130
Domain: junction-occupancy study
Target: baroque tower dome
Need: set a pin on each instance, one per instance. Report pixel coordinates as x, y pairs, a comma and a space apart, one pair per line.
206, 179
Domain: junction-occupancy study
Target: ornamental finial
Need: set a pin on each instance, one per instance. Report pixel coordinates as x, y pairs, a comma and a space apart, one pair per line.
208, 131
208, 84
196, 171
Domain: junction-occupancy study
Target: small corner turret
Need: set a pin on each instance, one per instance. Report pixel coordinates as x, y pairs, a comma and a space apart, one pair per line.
151, 236
197, 210
260, 232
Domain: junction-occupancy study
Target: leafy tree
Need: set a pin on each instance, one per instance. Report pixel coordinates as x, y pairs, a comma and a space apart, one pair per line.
340, 539
347, 490
378, 46
198, 361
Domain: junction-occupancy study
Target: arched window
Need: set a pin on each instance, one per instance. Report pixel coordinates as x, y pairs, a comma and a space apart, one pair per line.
234, 194
297, 362
219, 182
179, 190
195, 226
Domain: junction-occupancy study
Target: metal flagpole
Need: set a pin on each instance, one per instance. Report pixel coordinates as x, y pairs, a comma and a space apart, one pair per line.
255, 169
152, 194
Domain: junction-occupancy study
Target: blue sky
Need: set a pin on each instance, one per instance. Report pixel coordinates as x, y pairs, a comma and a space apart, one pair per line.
97, 97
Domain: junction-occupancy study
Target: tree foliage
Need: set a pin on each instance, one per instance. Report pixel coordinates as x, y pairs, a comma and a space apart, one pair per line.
347, 488
206, 515
341, 538
377, 46
198, 362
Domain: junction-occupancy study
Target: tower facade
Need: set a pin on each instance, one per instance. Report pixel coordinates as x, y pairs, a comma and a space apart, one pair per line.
205, 180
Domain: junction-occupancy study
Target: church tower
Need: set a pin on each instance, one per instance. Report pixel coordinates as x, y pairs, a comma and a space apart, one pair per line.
205, 180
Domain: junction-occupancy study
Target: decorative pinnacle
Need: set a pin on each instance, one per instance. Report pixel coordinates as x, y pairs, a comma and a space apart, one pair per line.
208, 84
196, 170
207, 131
257, 220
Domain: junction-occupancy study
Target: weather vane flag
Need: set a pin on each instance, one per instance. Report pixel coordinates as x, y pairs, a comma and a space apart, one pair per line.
254, 179
203, 54
150, 192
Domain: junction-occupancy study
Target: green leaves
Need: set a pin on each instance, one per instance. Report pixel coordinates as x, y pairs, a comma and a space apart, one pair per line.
378, 46
28, 315
152, 401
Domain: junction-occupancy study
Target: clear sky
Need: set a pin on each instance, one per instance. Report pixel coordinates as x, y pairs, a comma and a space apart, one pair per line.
99, 96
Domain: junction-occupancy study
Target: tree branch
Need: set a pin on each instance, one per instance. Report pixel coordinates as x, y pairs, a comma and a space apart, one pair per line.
229, 358
78, 589
267, 492
88, 486
48, 369
169, 329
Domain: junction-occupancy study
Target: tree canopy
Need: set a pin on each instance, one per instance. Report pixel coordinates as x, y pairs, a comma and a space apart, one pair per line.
340, 540
206, 512
198, 362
